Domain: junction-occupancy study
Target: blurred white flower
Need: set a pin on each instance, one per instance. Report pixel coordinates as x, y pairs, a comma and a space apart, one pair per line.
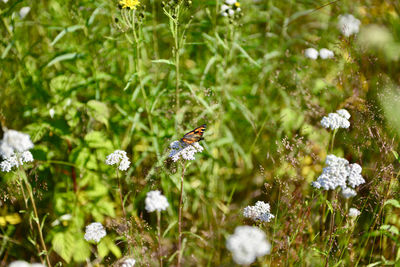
5, 1
258, 212
247, 243
353, 212
62, 218
230, 8
184, 151
95, 231
21, 263
51, 112
118, 157
339, 173
156, 201
128, 263
14, 141
24, 11
348, 24
325, 53
15, 160
311, 53
337, 120
347, 192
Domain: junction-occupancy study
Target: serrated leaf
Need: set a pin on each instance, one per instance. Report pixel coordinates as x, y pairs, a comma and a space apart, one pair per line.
63, 244
98, 111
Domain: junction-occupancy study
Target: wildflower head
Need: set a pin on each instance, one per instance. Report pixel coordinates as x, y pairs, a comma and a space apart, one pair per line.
354, 213
155, 201
339, 173
325, 53
15, 160
258, 212
14, 141
185, 151
348, 24
129, 4
247, 243
230, 8
118, 157
339, 119
95, 232
24, 11
311, 53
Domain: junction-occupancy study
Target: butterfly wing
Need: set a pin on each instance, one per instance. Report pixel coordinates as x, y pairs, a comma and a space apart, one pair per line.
194, 136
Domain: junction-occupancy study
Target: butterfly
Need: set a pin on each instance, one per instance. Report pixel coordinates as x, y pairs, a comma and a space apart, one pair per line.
194, 136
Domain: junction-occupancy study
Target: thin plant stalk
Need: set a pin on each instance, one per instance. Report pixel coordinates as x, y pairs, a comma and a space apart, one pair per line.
120, 194
159, 237
138, 70
36, 219
177, 59
333, 139
155, 40
180, 218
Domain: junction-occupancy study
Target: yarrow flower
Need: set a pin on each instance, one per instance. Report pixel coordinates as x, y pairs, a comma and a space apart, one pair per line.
348, 24
247, 243
95, 231
14, 141
184, 151
24, 11
325, 53
128, 262
311, 53
337, 120
156, 201
258, 212
16, 160
339, 173
230, 8
129, 4
118, 157
21, 263
353, 212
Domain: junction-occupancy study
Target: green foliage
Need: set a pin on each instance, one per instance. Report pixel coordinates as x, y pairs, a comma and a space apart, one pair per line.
138, 80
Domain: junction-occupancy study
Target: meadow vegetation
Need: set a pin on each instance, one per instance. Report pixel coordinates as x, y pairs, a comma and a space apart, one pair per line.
299, 165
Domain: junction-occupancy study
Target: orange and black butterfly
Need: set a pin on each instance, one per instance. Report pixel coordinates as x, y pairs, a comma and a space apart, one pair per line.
194, 136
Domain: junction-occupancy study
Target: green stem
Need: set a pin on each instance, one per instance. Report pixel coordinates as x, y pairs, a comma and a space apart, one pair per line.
180, 219
159, 237
177, 59
120, 194
333, 139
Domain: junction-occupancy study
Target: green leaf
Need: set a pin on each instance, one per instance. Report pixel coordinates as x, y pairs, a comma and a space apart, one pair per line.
63, 32
96, 139
395, 203
390, 228
63, 57
63, 244
165, 61
98, 111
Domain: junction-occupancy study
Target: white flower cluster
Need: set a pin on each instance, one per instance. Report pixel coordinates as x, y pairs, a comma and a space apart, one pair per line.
313, 53
339, 173
21, 263
95, 231
14, 141
247, 243
348, 24
14, 148
353, 212
339, 119
155, 201
230, 8
16, 160
258, 212
128, 262
184, 151
118, 157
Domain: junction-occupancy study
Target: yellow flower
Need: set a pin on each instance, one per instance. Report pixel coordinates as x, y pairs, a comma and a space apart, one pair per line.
237, 4
130, 4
